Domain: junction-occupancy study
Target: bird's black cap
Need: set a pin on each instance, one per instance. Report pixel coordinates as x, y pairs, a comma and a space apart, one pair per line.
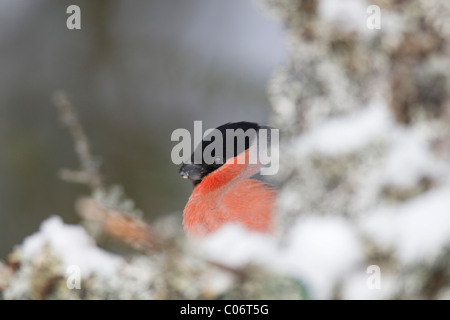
199, 167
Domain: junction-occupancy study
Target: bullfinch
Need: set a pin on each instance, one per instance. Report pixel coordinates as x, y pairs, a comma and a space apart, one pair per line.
225, 190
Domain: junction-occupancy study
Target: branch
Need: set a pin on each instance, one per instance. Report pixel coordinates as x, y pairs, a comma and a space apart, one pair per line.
89, 169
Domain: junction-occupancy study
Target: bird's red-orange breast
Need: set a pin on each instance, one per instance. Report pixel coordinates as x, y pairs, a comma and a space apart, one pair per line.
227, 195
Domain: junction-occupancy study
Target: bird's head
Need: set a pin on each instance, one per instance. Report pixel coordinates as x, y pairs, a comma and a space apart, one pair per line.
206, 158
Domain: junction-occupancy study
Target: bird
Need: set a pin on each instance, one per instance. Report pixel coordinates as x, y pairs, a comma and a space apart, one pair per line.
225, 191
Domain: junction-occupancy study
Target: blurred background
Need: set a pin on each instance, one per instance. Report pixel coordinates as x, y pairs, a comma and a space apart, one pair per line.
135, 71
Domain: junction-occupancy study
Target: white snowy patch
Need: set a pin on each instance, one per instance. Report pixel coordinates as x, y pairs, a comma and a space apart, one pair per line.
73, 245
355, 287
408, 160
417, 230
347, 134
318, 251
285, 109
234, 246
350, 14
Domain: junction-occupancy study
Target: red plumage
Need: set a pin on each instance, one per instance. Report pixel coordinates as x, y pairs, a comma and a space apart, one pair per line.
228, 195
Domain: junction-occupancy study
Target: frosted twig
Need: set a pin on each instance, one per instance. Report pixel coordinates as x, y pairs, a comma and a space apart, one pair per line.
129, 229
89, 170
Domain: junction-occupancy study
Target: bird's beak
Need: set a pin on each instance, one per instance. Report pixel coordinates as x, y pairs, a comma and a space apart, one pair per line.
191, 171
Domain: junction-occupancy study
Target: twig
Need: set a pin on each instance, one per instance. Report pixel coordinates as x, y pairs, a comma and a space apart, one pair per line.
89, 172
114, 220
129, 229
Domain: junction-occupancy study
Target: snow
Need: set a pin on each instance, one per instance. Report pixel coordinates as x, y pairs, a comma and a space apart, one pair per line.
318, 251
346, 134
73, 245
322, 251
285, 109
219, 281
234, 246
350, 14
353, 15
355, 287
418, 230
408, 160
